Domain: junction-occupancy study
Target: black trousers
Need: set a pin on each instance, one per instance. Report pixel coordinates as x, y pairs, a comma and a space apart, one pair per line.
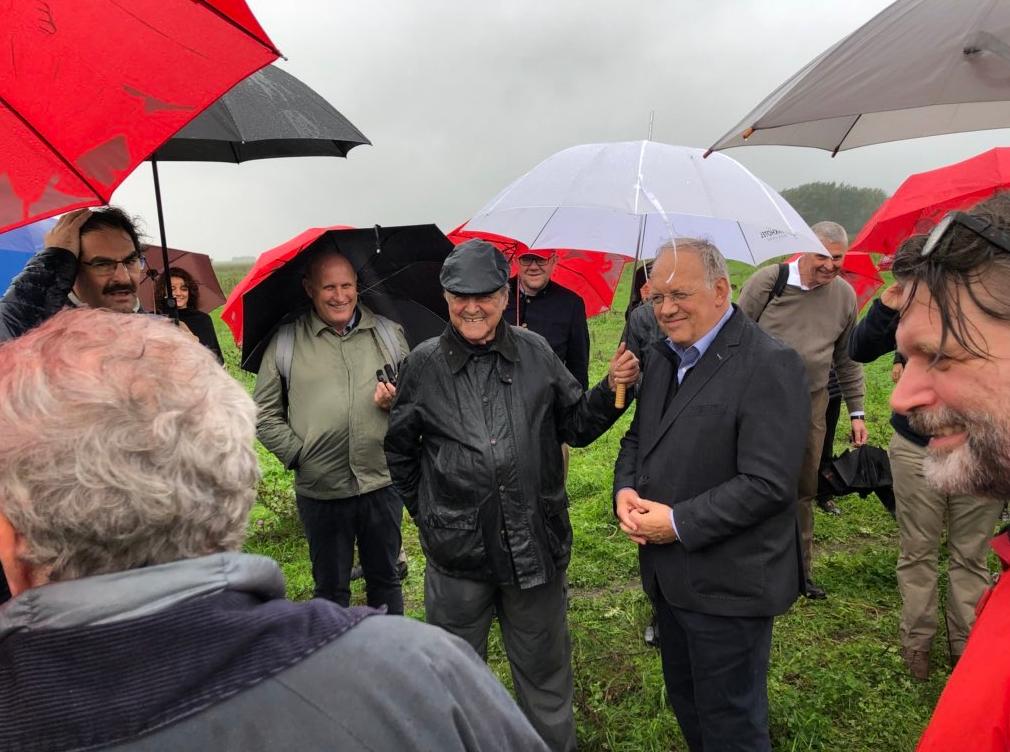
332, 526
716, 674
831, 416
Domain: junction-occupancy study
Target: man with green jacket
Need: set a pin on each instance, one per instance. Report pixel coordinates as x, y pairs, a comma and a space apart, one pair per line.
326, 420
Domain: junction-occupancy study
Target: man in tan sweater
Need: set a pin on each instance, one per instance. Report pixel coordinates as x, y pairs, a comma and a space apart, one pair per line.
814, 315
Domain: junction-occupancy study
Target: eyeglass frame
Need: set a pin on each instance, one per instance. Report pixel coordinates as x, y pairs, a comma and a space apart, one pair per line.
533, 259
98, 264
981, 227
657, 299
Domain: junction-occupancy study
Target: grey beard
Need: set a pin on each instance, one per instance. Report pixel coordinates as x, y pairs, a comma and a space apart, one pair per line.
979, 467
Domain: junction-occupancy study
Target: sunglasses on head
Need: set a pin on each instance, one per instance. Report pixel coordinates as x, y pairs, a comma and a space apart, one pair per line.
942, 234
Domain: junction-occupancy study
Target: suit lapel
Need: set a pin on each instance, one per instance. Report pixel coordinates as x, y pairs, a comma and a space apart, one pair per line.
718, 353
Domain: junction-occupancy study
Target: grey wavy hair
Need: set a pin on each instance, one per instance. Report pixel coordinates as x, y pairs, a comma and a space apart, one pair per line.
123, 444
712, 260
831, 232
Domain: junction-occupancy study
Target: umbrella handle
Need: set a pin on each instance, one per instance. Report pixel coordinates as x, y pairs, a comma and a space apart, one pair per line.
620, 395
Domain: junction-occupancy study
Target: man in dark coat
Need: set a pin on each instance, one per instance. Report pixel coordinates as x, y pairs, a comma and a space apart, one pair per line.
551, 310
92, 258
705, 483
474, 449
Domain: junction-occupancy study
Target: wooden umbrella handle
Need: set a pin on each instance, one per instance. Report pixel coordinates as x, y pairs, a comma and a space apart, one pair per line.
620, 393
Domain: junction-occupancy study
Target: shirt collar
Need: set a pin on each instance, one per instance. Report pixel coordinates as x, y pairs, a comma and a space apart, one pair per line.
458, 351
318, 325
705, 340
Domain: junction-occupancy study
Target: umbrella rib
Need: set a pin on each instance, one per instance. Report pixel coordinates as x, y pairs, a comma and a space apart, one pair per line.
543, 227
231, 22
847, 132
53, 149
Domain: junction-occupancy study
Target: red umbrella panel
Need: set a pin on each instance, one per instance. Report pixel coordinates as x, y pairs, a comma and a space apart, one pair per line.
859, 271
593, 275
266, 264
924, 198
89, 89
198, 265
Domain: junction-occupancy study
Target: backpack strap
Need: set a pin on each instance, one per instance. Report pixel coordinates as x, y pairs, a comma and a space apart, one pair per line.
385, 338
777, 288
283, 356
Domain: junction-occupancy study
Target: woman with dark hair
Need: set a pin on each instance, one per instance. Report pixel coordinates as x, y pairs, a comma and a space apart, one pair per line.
186, 292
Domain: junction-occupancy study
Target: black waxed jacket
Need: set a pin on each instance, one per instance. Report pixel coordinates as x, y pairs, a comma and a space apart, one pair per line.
38, 292
474, 449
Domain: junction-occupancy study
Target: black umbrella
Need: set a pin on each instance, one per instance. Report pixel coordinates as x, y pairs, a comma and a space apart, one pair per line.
863, 470
397, 277
269, 114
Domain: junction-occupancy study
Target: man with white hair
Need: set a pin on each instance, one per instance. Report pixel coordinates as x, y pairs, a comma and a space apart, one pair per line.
954, 334
813, 312
127, 471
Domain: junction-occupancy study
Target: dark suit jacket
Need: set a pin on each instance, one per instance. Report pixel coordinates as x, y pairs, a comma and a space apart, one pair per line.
726, 455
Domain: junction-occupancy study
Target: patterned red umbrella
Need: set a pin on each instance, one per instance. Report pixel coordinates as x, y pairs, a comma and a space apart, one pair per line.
922, 200
593, 275
89, 89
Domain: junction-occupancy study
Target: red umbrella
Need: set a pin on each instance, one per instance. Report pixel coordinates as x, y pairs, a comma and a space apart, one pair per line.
592, 274
859, 271
267, 263
89, 89
199, 266
922, 200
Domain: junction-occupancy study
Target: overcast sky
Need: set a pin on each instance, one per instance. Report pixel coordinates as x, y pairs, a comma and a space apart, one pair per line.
459, 98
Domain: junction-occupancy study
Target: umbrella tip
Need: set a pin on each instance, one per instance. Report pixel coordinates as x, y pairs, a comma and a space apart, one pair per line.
378, 240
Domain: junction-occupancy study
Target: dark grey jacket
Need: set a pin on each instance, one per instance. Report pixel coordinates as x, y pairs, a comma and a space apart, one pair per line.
240, 670
38, 292
474, 449
725, 454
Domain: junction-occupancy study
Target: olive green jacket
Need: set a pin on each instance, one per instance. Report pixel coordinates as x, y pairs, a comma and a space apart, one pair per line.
331, 431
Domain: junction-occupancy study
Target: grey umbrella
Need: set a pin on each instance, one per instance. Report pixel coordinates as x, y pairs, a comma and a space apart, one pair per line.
918, 68
269, 114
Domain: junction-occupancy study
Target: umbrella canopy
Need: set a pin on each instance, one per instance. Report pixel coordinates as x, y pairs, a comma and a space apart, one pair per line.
628, 198
924, 198
918, 68
199, 266
19, 245
397, 271
88, 90
269, 114
592, 275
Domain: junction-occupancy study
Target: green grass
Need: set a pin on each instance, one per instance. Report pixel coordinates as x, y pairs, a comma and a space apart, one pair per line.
836, 680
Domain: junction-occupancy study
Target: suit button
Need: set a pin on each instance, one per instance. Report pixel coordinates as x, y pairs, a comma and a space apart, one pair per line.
643, 479
501, 488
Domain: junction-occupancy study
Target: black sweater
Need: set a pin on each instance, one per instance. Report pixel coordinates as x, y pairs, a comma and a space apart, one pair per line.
875, 336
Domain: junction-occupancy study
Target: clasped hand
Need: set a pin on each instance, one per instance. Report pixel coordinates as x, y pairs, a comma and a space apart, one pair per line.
623, 367
644, 521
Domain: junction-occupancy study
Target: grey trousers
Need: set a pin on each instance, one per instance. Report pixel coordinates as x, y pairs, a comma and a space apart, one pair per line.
923, 514
534, 626
808, 476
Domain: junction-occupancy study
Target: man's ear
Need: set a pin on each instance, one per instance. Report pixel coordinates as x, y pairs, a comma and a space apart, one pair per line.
18, 573
722, 290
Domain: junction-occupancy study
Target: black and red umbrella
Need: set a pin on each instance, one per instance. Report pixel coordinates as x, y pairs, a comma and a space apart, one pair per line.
89, 89
397, 270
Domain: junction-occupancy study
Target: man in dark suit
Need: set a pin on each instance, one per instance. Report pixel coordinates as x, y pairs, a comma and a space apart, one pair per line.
705, 484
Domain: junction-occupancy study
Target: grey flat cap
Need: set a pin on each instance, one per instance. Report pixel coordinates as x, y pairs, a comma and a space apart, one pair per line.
474, 268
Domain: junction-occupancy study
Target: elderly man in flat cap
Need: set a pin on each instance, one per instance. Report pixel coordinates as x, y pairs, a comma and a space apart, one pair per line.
474, 448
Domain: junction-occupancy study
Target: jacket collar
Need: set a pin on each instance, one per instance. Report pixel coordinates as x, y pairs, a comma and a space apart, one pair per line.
457, 351
119, 596
363, 319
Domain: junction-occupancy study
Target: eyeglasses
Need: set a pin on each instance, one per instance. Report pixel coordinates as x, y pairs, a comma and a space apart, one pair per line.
104, 267
677, 297
942, 233
529, 260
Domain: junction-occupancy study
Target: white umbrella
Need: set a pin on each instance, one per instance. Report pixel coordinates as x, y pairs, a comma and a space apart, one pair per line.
630, 197
918, 68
